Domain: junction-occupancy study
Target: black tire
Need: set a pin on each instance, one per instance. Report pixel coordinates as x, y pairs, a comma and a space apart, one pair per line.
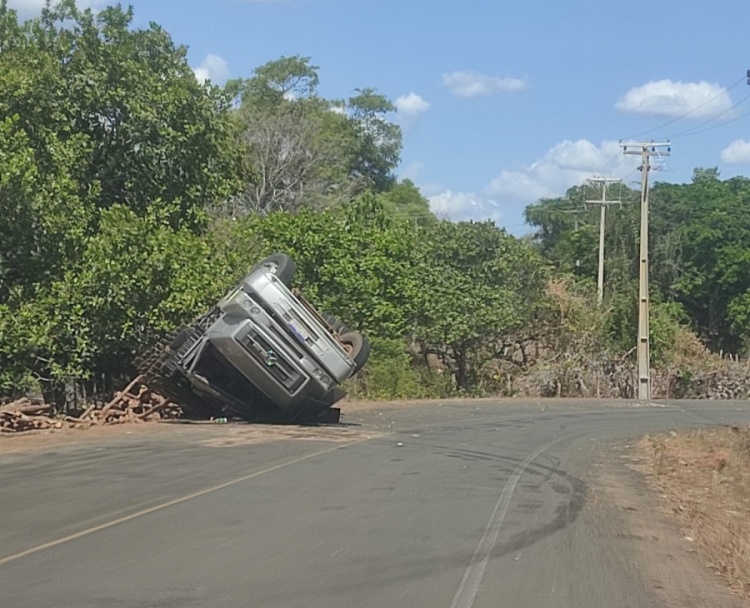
360, 348
281, 265
180, 339
337, 325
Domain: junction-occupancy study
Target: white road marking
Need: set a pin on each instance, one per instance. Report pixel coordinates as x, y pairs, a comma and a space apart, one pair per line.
467, 590
15, 556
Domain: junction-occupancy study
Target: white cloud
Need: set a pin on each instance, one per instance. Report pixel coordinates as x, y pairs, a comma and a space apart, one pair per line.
504, 198
474, 84
33, 8
411, 105
213, 68
736, 153
462, 206
668, 98
409, 108
566, 164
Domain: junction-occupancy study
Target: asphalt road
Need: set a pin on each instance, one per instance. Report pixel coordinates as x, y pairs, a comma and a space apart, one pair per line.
449, 505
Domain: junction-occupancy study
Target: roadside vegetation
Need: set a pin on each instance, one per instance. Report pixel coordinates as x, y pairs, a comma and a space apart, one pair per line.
132, 196
704, 479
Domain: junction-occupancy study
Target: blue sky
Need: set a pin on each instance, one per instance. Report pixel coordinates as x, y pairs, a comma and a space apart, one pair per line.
502, 102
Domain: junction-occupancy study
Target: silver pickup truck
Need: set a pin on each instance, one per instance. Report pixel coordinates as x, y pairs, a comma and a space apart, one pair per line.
263, 353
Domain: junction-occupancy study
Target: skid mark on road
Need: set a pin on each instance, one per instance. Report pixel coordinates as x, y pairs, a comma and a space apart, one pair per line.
115, 522
467, 590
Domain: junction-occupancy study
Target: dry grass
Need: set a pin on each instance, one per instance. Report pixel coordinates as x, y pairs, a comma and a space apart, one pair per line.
704, 476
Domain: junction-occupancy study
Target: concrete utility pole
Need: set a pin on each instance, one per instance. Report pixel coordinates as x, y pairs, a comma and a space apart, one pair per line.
604, 181
646, 150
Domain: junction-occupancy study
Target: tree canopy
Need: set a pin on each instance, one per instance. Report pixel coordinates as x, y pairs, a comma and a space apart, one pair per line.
132, 196
700, 249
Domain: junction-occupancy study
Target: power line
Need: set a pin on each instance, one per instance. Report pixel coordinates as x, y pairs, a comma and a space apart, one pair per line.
692, 130
684, 114
711, 128
609, 162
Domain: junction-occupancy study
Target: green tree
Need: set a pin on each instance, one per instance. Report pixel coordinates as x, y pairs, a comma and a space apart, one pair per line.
378, 142
700, 259
405, 202
705, 263
294, 154
355, 263
567, 230
100, 125
152, 136
304, 150
479, 284
275, 82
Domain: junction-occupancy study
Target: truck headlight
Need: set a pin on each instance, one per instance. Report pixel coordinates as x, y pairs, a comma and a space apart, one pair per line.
322, 376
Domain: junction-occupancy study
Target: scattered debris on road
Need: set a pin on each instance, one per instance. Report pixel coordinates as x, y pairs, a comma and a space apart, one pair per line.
144, 406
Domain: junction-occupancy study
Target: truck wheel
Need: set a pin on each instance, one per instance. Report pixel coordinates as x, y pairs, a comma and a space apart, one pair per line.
358, 347
180, 339
279, 264
337, 325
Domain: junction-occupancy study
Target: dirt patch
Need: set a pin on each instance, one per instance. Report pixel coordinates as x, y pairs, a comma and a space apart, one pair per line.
703, 477
205, 433
245, 435
630, 515
41, 440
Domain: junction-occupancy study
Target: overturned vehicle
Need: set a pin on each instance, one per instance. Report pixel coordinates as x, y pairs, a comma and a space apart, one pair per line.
262, 353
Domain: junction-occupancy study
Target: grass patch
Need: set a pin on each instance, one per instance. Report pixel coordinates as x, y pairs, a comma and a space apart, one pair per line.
704, 476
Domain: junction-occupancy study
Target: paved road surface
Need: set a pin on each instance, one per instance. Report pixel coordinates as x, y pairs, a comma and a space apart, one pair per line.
452, 505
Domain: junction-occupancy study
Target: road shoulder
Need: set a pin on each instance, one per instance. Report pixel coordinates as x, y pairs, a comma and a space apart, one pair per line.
632, 513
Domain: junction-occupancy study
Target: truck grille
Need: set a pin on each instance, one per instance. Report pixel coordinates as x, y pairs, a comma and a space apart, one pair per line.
272, 360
